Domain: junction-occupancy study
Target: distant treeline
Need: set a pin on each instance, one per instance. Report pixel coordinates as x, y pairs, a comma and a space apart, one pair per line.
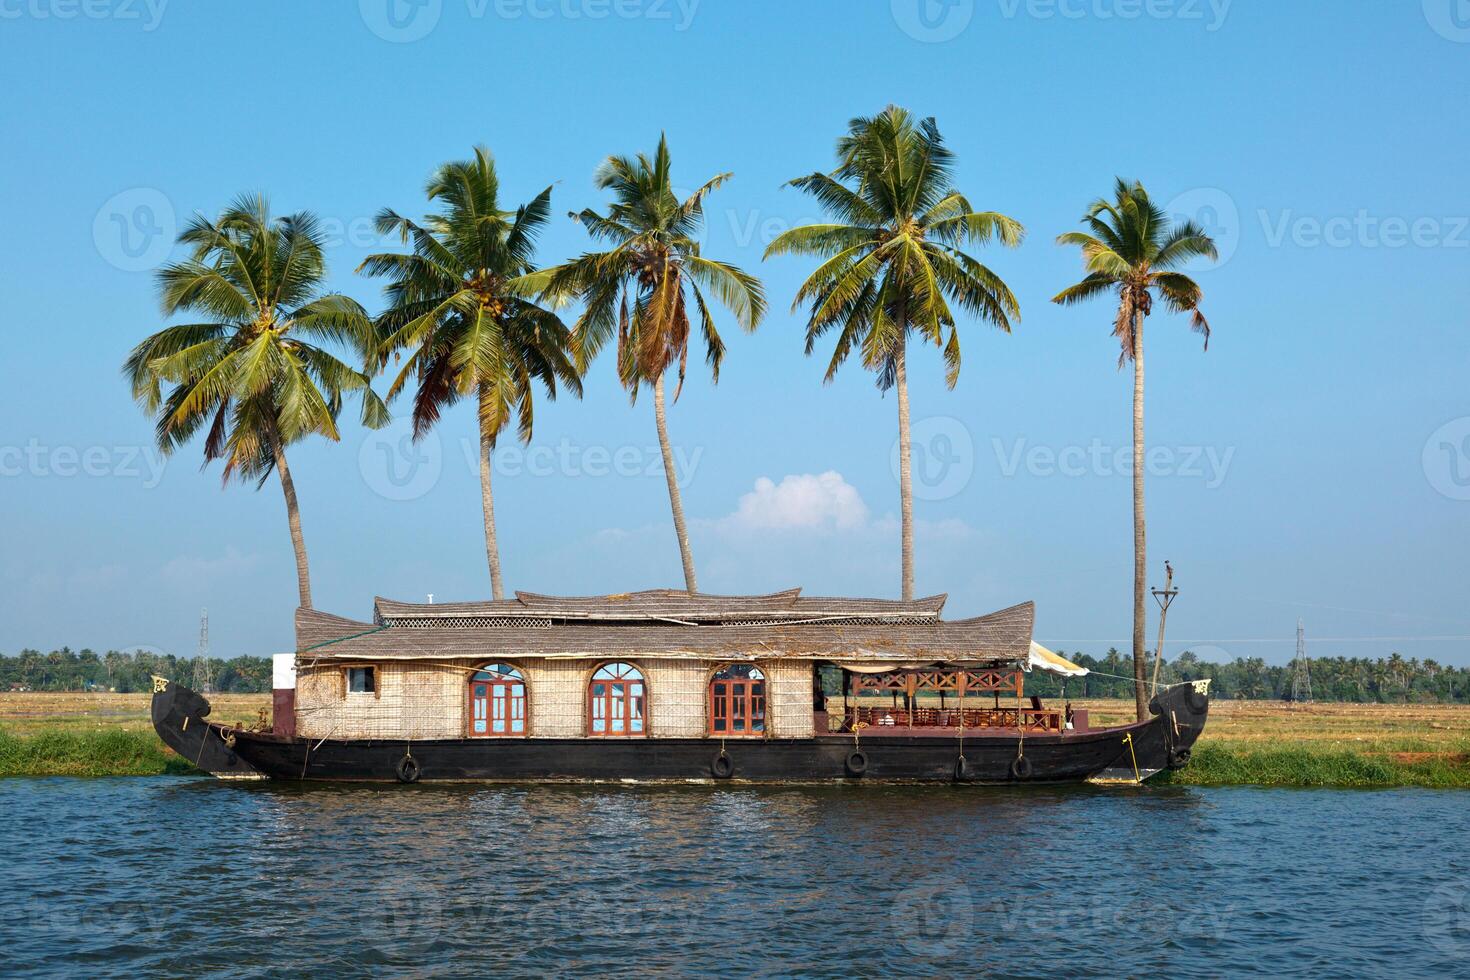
70, 670
1394, 679
1391, 680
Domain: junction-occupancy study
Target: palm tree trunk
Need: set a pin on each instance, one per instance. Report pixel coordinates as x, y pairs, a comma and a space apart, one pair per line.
905, 468
293, 518
487, 500
675, 501
1140, 537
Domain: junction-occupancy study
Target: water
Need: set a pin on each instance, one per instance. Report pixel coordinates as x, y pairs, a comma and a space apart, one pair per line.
196, 877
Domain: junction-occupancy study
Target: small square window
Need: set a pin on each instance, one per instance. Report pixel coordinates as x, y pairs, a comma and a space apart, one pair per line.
361, 680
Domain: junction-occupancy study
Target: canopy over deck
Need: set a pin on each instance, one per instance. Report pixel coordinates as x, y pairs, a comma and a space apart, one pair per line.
669, 624
1043, 659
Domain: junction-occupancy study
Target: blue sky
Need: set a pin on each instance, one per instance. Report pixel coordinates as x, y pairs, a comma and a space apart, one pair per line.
1314, 463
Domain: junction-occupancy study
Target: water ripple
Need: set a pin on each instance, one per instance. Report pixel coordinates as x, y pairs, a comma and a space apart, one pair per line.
196, 877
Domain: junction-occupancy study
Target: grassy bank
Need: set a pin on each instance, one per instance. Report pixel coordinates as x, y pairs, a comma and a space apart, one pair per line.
45, 734
1232, 764
1247, 743
105, 753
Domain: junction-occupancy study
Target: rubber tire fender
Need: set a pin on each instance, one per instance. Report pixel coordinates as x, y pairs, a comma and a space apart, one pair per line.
408, 770
1021, 767
1197, 702
1179, 758
722, 766
963, 771
856, 762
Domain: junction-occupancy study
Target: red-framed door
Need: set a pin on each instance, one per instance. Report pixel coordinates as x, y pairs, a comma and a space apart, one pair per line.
497, 703
617, 702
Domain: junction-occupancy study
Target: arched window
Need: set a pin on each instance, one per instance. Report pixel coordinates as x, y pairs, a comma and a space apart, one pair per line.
616, 701
497, 702
737, 701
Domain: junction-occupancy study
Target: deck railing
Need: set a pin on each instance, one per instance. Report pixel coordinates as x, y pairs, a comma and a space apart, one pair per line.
888, 718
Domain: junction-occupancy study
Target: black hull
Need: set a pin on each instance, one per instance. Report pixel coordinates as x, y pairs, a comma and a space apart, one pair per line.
987, 759
1130, 753
179, 719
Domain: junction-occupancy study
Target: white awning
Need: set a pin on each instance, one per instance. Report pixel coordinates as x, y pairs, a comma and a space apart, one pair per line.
1043, 659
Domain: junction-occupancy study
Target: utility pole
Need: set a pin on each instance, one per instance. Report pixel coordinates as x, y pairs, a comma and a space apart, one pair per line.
1165, 598
203, 675
1301, 668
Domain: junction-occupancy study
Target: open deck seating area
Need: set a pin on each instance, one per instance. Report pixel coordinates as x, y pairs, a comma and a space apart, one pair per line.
885, 720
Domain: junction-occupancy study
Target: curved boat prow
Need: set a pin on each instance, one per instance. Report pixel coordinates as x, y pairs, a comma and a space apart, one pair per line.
1166, 740
179, 718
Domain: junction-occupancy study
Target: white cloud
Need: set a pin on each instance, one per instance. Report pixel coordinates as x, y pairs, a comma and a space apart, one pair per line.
800, 501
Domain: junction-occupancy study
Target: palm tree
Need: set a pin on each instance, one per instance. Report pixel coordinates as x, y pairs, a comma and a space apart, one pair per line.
894, 264
254, 370
640, 290
1132, 248
463, 303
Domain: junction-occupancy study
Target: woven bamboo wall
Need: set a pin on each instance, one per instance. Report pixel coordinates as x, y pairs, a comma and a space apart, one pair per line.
427, 700
414, 701
557, 699
677, 695
789, 698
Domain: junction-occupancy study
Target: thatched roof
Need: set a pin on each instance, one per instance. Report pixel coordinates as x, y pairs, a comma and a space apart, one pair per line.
667, 623
663, 604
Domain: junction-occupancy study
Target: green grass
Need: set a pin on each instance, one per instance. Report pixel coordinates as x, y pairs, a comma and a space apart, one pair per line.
116, 752
1231, 765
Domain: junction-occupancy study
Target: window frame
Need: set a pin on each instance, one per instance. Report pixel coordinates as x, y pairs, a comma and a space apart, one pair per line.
590, 714
525, 701
748, 700
373, 673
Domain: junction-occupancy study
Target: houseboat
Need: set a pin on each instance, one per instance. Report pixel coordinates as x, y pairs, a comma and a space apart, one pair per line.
668, 685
